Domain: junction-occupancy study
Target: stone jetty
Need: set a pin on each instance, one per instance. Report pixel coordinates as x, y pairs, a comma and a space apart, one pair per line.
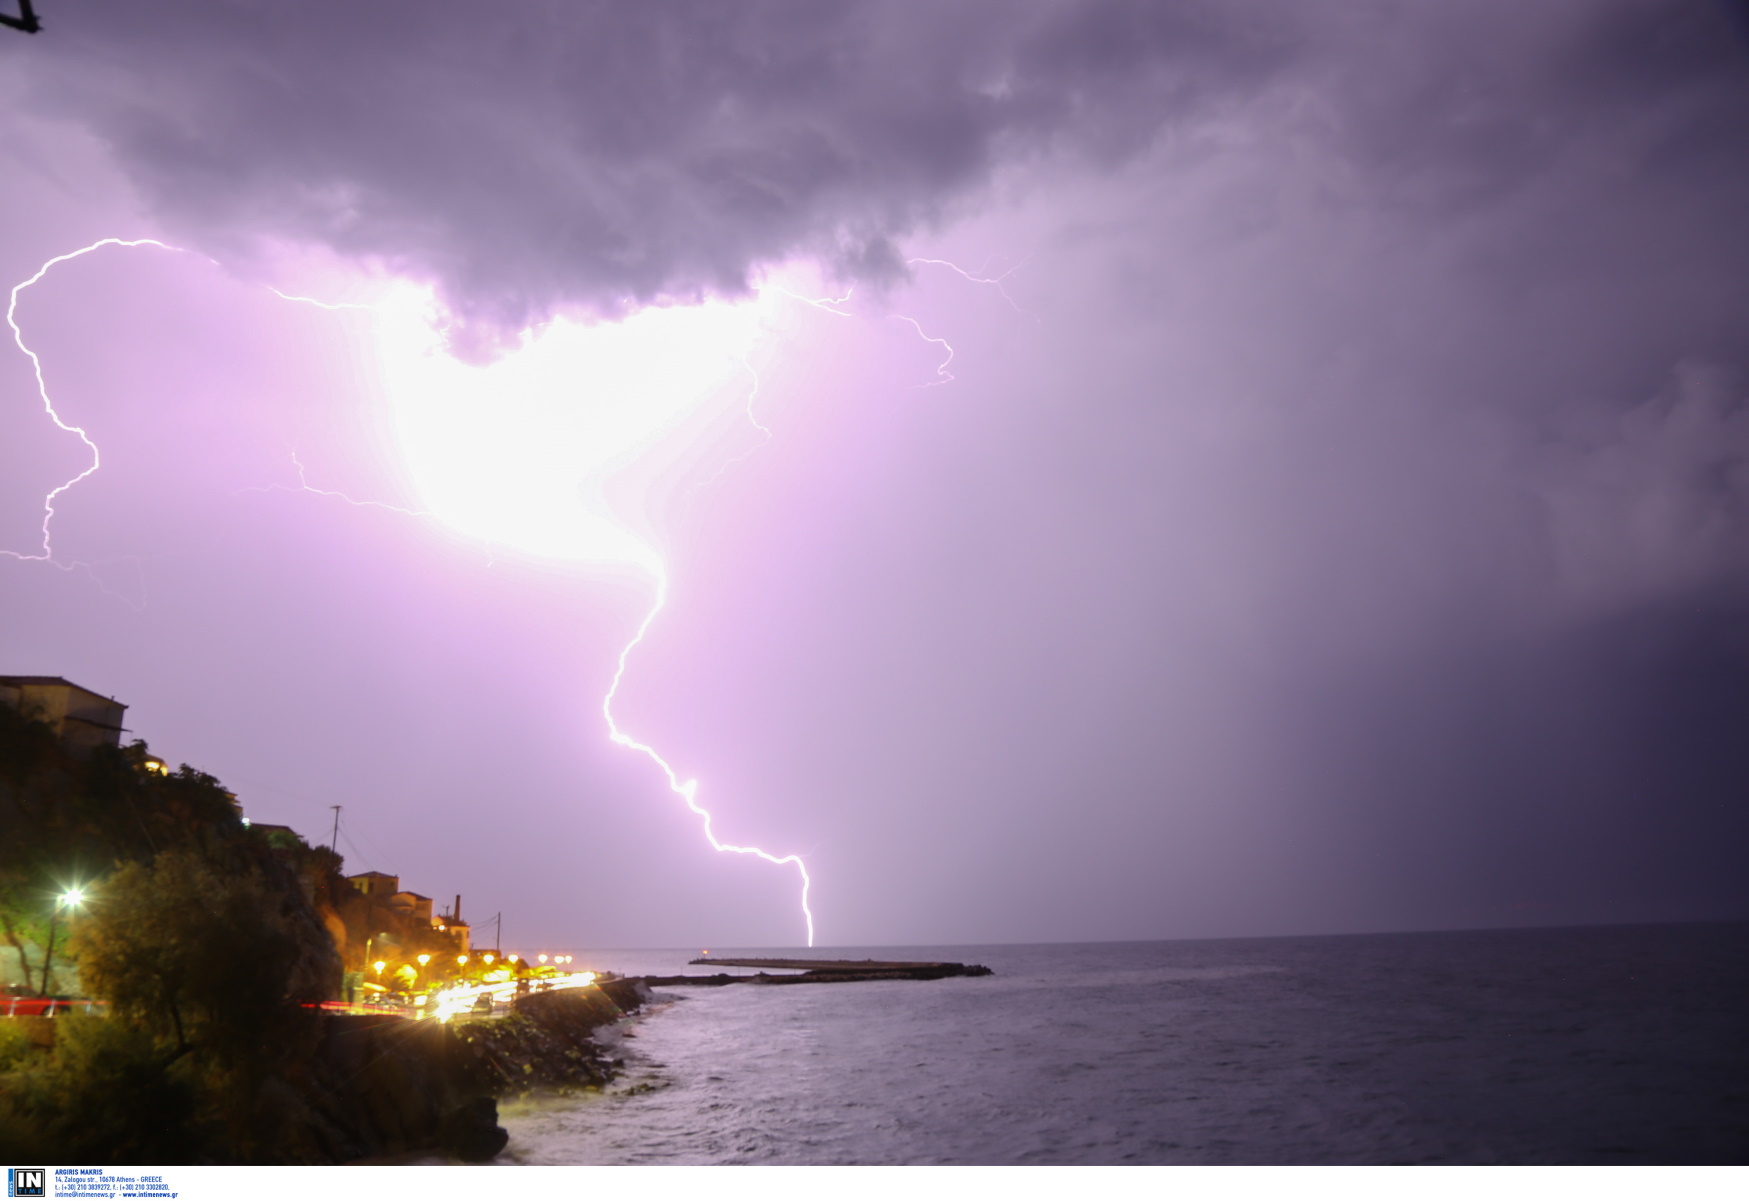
817, 971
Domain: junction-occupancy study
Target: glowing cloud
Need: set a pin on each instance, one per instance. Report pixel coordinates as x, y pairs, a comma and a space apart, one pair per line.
521, 452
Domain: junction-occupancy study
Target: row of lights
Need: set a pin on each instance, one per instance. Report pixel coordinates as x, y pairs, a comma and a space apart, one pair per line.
158, 765
489, 958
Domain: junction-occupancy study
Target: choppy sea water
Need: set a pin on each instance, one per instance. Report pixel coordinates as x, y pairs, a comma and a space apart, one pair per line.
1598, 1045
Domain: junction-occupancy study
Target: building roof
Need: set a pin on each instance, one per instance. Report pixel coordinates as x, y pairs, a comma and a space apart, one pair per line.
378, 875
104, 715
45, 680
269, 828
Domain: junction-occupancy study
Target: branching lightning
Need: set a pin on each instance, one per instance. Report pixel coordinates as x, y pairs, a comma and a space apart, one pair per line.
42, 388
645, 557
333, 306
942, 374
994, 280
830, 305
752, 395
304, 484
688, 791
826, 304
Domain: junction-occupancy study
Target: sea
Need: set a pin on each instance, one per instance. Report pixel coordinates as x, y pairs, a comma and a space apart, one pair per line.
1582, 1046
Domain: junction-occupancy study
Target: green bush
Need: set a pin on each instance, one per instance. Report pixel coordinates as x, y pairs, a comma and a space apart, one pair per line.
107, 1093
194, 957
15, 1045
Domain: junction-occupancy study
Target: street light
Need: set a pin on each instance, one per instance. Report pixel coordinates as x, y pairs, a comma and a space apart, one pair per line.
424, 959
71, 900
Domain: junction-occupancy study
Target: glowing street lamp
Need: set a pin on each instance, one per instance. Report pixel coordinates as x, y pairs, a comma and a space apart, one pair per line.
379, 965
424, 959
70, 899
462, 960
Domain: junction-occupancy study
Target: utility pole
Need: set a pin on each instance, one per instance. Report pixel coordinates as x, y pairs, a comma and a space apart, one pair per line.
48, 953
334, 839
71, 899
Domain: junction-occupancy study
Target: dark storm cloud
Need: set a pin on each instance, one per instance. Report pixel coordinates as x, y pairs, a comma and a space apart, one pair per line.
1655, 500
540, 153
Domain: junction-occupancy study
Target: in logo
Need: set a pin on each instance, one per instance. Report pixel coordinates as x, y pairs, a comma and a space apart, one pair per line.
26, 1182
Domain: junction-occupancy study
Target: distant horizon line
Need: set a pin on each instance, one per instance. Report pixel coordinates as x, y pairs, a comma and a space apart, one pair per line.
737, 948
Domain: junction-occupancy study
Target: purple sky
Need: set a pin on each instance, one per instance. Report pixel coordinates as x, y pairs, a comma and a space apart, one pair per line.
1337, 520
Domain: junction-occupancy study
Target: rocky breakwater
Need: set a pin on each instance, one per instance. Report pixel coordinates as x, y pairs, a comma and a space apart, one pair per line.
544, 1043
388, 1087
821, 971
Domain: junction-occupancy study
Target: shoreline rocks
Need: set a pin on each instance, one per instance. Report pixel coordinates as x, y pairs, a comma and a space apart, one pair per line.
386, 1087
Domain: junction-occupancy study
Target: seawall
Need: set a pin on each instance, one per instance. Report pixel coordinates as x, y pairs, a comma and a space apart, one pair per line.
386, 1087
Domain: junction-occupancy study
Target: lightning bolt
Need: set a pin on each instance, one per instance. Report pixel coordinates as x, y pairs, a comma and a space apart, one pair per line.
942, 374
995, 280
304, 484
829, 305
826, 304
752, 395
687, 791
333, 306
42, 389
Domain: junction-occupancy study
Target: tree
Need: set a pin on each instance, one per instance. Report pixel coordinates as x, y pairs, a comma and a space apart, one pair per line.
196, 957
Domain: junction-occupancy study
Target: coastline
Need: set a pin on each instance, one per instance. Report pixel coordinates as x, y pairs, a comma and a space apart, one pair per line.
389, 1088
